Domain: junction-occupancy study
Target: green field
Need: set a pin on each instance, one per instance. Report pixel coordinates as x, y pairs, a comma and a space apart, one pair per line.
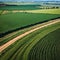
1, 12
10, 36
17, 20
42, 44
47, 48
29, 47
50, 11
20, 7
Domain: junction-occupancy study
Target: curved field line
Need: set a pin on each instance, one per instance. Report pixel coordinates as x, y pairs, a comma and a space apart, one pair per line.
25, 55
26, 33
16, 46
21, 51
47, 50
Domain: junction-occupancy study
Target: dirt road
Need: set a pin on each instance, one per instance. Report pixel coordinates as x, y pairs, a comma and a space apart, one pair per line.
26, 33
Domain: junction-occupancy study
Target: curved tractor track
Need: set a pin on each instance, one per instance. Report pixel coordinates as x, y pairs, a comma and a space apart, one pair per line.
26, 33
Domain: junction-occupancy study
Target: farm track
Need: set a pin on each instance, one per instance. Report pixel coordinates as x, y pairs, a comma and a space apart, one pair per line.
17, 33
26, 33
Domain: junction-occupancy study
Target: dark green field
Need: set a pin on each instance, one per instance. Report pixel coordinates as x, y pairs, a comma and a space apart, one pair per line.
47, 48
20, 7
16, 20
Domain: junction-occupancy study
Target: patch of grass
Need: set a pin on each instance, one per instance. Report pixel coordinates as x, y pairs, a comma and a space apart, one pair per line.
1, 12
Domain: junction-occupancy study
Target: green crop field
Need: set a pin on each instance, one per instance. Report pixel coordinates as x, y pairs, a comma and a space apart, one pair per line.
47, 48
40, 44
50, 11
17, 20
35, 46
21, 7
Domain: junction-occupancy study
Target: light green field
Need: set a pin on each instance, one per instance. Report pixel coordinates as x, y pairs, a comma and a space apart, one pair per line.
39, 45
49, 11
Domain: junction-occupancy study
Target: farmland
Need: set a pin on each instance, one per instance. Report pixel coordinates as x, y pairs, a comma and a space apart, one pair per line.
49, 11
29, 32
47, 46
21, 7
15, 20
23, 46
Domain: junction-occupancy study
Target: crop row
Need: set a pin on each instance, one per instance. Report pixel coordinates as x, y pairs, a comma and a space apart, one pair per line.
46, 48
21, 48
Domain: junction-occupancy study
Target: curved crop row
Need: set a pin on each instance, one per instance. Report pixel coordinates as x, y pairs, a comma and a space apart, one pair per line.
46, 48
21, 48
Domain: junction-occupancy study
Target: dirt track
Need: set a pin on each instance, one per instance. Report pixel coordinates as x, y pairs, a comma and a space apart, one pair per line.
26, 33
